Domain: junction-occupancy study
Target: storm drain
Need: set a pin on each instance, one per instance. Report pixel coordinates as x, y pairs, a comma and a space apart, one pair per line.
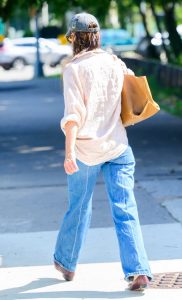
171, 280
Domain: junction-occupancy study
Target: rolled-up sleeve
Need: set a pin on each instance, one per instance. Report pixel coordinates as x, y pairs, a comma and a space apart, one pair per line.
73, 98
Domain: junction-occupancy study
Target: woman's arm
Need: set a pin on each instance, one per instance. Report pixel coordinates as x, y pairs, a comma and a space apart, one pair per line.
74, 115
70, 165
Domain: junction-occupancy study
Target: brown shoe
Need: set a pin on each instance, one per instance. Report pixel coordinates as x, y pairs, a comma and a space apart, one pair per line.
139, 283
67, 275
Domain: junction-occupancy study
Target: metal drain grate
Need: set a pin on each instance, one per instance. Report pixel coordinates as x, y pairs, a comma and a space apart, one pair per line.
171, 280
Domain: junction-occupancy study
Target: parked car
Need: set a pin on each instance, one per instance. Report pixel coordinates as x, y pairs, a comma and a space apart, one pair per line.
152, 47
20, 52
118, 40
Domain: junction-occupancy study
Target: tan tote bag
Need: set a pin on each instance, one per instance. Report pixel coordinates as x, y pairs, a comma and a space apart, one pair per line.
137, 103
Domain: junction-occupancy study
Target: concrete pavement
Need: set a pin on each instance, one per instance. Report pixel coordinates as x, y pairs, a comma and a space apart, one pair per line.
162, 242
98, 276
33, 199
27, 73
32, 153
93, 281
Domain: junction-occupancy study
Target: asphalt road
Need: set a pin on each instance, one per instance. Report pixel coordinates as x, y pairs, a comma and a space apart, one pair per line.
33, 194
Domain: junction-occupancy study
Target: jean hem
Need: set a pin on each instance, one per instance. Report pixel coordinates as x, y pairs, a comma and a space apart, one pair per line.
63, 265
149, 275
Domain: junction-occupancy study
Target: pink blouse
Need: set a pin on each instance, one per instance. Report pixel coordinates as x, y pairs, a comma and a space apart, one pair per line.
92, 93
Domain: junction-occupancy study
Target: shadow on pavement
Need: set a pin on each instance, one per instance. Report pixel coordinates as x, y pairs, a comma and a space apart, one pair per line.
22, 292
15, 293
17, 87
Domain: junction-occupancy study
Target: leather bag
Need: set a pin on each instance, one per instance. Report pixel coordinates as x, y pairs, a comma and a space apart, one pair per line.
137, 103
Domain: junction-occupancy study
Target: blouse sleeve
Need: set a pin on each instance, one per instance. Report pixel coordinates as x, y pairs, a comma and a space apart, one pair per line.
125, 69
73, 98
123, 66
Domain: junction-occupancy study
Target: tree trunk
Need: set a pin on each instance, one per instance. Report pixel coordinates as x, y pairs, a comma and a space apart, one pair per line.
122, 21
151, 49
165, 49
170, 21
121, 15
144, 20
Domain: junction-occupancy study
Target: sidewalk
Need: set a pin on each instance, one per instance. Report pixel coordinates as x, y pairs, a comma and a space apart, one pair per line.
28, 272
33, 199
27, 73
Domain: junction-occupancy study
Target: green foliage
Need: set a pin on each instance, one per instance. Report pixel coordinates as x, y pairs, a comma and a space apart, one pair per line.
98, 8
168, 98
28, 33
8, 7
127, 9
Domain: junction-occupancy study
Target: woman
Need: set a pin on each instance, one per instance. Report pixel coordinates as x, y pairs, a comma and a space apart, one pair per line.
96, 140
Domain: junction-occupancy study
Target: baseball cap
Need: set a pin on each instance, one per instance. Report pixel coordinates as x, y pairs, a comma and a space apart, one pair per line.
80, 23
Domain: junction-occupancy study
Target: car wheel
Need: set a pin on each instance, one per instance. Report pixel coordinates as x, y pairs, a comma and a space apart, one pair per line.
58, 62
7, 67
19, 63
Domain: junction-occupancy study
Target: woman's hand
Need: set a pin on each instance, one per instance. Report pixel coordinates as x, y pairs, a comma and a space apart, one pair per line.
70, 164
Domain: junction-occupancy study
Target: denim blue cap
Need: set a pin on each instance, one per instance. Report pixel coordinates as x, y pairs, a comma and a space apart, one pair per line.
80, 23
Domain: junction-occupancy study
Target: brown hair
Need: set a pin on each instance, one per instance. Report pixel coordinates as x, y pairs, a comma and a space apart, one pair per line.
86, 40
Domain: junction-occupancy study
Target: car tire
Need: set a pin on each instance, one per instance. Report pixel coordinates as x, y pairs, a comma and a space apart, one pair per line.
19, 63
7, 67
58, 62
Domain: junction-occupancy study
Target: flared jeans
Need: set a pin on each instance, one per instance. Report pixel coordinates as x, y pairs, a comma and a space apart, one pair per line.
118, 175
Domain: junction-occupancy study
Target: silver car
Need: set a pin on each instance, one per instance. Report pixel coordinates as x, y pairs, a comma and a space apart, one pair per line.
22, 51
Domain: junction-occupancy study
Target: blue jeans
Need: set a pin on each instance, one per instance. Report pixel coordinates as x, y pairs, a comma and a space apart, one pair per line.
118, 176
